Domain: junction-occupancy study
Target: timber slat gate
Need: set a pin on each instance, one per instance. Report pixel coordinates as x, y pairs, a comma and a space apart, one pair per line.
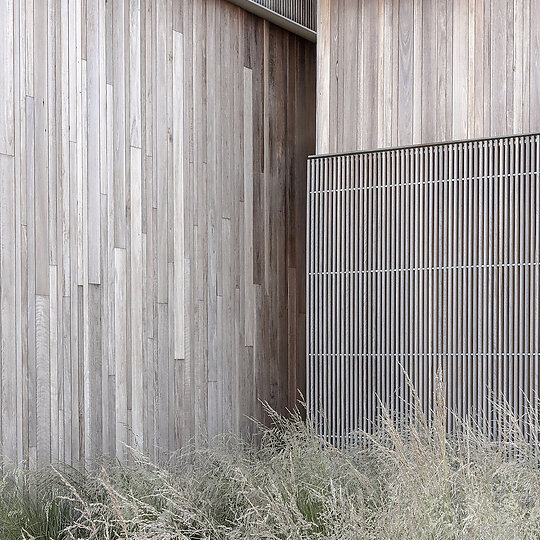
418, 258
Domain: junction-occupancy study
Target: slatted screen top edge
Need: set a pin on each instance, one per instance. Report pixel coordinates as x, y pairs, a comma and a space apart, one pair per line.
296, 16
303, 12
422, 258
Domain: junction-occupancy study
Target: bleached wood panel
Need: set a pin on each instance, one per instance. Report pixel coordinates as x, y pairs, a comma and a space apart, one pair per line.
8, 42
152, 223
404, 72
422, 258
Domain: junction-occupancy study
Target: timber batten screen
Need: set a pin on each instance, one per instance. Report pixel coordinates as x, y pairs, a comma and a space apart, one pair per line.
303, 12
420, 257
296, 16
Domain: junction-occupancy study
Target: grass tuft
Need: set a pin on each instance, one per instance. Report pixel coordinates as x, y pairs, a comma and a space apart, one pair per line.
408, 480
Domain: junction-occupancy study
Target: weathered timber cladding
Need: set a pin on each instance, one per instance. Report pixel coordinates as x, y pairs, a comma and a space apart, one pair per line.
152, 169
420, 258
400, 72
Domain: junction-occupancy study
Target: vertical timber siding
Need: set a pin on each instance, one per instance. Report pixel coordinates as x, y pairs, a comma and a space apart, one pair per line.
419, 258
152, 189
401, 72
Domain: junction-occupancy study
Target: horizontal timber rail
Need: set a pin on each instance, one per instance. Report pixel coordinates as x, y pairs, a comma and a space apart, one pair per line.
296, 16
424, 259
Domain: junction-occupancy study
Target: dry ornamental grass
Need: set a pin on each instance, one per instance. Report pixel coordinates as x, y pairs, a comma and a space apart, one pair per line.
408, 480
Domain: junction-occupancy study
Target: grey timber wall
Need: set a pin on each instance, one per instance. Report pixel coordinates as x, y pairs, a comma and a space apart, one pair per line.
400, 72
152, 223
420, 258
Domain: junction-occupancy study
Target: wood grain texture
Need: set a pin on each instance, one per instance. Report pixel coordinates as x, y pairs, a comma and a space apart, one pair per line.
413, 71
8, 39
437, 259
152, 180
